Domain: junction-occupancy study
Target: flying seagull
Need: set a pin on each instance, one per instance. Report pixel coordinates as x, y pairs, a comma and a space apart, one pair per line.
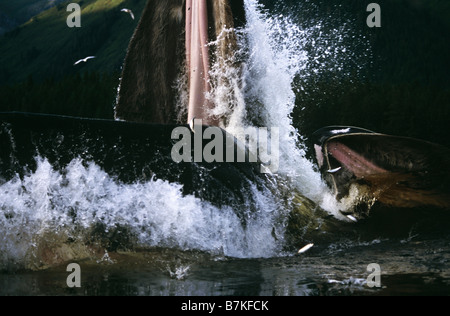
128, 11
83, 60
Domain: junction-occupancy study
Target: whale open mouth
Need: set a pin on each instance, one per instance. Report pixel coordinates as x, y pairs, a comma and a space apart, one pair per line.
352, 160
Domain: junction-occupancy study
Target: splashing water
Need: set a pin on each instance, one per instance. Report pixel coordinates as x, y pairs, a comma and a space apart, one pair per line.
70, 205
275, 60
180, 273
275, 54
51, 209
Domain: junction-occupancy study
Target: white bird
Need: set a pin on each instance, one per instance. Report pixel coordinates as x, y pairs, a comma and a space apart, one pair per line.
83, 60
128, 11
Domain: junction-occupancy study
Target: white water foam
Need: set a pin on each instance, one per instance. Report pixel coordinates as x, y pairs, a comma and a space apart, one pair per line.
275, 59
71, 202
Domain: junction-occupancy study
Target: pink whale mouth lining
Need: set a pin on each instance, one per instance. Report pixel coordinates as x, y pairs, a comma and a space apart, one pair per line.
353, 161
197, 58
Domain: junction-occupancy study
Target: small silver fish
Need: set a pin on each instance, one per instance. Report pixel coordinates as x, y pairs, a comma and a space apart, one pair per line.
334, 170
306, 248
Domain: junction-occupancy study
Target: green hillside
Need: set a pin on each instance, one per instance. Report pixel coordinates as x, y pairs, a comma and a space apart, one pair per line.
37, 71
46, 47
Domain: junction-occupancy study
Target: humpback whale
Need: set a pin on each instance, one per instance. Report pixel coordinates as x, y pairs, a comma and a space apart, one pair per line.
137, 145
392, 170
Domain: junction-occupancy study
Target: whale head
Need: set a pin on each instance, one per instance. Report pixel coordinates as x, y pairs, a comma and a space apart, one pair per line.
392, 170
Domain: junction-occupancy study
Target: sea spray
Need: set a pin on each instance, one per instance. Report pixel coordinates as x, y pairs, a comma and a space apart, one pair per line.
281, 54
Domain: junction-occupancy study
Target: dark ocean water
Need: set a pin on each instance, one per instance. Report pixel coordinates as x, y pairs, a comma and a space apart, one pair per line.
410, 266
